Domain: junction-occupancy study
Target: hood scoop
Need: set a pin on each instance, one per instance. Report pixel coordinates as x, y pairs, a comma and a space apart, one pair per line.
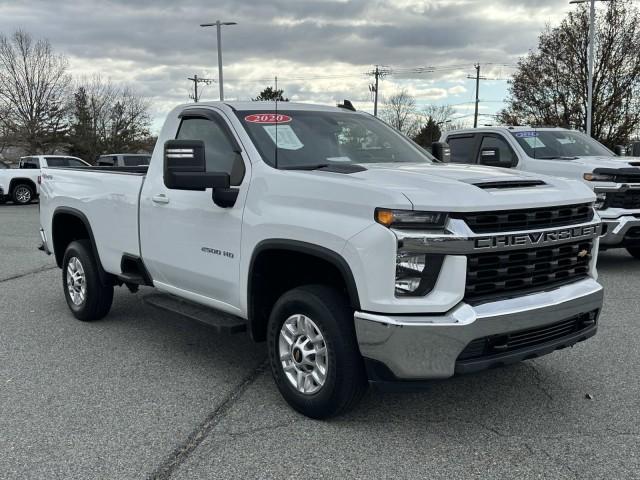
504, 184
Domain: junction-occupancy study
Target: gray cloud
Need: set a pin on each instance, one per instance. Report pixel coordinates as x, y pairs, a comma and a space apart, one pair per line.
156, 44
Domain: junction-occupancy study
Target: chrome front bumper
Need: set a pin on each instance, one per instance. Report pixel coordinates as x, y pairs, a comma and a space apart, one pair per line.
428, 346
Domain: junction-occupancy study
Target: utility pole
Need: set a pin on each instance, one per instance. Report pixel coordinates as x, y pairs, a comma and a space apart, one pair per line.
196, 80
378, 73
592, 40
477, 79
219, 24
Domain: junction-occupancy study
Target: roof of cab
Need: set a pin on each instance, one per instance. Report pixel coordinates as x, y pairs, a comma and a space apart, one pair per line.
269, 106
524, 128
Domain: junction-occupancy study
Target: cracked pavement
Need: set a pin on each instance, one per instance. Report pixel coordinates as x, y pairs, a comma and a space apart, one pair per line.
143, 394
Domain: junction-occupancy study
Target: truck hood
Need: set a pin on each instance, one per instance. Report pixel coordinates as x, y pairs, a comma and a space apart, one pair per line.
591, 163
447, 187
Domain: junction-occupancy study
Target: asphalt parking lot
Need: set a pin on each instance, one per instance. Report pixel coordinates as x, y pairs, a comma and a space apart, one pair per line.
145, 394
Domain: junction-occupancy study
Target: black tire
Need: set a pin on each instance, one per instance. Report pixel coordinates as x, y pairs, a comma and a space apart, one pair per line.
634, 252
98, 297
346, 380
22, 194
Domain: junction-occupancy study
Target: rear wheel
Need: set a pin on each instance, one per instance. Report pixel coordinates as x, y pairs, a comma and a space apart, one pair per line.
634, 252
86, 296
22, 194
313, 352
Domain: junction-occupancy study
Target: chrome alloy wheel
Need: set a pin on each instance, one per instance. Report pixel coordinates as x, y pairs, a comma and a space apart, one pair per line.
303, 353
76, 281
23, 194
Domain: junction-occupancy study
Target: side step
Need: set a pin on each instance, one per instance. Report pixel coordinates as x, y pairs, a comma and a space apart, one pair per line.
221, 321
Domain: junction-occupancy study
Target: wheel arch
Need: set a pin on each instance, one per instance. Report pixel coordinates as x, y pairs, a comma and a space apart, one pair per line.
324, 261
20, 181
69, 224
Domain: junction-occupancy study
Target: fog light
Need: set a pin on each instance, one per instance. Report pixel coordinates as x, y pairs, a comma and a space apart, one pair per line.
409, 268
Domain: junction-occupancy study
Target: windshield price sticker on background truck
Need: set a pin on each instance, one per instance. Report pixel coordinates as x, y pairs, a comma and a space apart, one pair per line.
267, 118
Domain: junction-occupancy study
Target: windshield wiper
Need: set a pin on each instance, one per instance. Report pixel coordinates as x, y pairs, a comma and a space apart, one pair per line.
557, 157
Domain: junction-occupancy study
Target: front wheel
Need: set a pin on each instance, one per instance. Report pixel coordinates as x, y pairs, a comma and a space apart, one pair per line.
634, 252
22, 194
86, 296
313, 352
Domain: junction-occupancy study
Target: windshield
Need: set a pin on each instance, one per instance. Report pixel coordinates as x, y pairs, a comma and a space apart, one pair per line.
314, 138
559, 144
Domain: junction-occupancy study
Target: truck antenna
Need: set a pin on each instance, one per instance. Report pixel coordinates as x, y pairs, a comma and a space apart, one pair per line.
276, 98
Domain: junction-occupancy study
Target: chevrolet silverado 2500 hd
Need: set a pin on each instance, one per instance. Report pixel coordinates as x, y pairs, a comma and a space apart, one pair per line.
334, 238
21, 184
568, 154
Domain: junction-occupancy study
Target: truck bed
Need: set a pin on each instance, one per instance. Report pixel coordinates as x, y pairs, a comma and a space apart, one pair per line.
109, 199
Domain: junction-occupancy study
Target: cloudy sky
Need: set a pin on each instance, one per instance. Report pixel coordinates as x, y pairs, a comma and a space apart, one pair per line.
320, 50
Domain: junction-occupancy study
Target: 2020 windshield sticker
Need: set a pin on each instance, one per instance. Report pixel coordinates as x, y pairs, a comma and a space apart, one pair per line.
267, 118
286, 137
526, 134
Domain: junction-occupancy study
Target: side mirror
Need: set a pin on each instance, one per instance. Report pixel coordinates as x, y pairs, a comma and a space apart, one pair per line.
491, 158
441, 151
620, 150
185, 167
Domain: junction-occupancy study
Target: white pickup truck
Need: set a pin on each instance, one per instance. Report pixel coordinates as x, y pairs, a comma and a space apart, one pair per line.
21, 184
338, 241
567, 154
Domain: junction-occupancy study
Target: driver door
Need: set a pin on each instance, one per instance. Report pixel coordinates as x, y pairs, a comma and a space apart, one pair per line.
190, 245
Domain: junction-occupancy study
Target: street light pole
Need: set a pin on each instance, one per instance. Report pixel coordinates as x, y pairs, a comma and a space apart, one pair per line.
592, 41
218, 24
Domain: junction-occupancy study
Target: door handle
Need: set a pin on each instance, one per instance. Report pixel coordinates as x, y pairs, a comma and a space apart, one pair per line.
160, 198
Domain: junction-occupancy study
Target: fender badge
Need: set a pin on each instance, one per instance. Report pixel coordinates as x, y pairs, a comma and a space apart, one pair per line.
583, 253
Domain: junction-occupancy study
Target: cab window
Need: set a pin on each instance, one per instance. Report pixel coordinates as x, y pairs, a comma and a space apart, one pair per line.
219, 149
30, 162
462, 148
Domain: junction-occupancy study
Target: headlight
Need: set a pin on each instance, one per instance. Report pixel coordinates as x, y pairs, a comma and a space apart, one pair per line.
601, 201
598, 177
410, 219
416, 273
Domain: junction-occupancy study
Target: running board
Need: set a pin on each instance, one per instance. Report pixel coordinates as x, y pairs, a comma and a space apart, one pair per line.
221, 321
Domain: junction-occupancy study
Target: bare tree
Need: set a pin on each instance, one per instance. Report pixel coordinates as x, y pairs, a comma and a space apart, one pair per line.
107, 118
442, 115
550, 86
33, 88
399, 111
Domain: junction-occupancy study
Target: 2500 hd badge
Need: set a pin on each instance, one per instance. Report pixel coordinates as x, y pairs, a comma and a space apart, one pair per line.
538, 238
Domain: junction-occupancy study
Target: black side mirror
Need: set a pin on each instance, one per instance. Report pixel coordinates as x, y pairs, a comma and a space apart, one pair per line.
441, 151
620, 150
491, 158
185, 167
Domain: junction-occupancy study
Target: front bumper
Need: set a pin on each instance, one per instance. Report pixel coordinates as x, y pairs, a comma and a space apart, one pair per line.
425, 347
621, 231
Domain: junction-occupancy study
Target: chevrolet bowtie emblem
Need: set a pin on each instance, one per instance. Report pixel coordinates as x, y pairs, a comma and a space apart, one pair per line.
583, 253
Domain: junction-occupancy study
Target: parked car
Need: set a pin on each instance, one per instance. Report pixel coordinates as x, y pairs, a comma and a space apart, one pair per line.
334, 238
123, 160
567, 154
4, 165
21, 184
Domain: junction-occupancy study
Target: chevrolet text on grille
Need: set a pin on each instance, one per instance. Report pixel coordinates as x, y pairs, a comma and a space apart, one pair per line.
537, 238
